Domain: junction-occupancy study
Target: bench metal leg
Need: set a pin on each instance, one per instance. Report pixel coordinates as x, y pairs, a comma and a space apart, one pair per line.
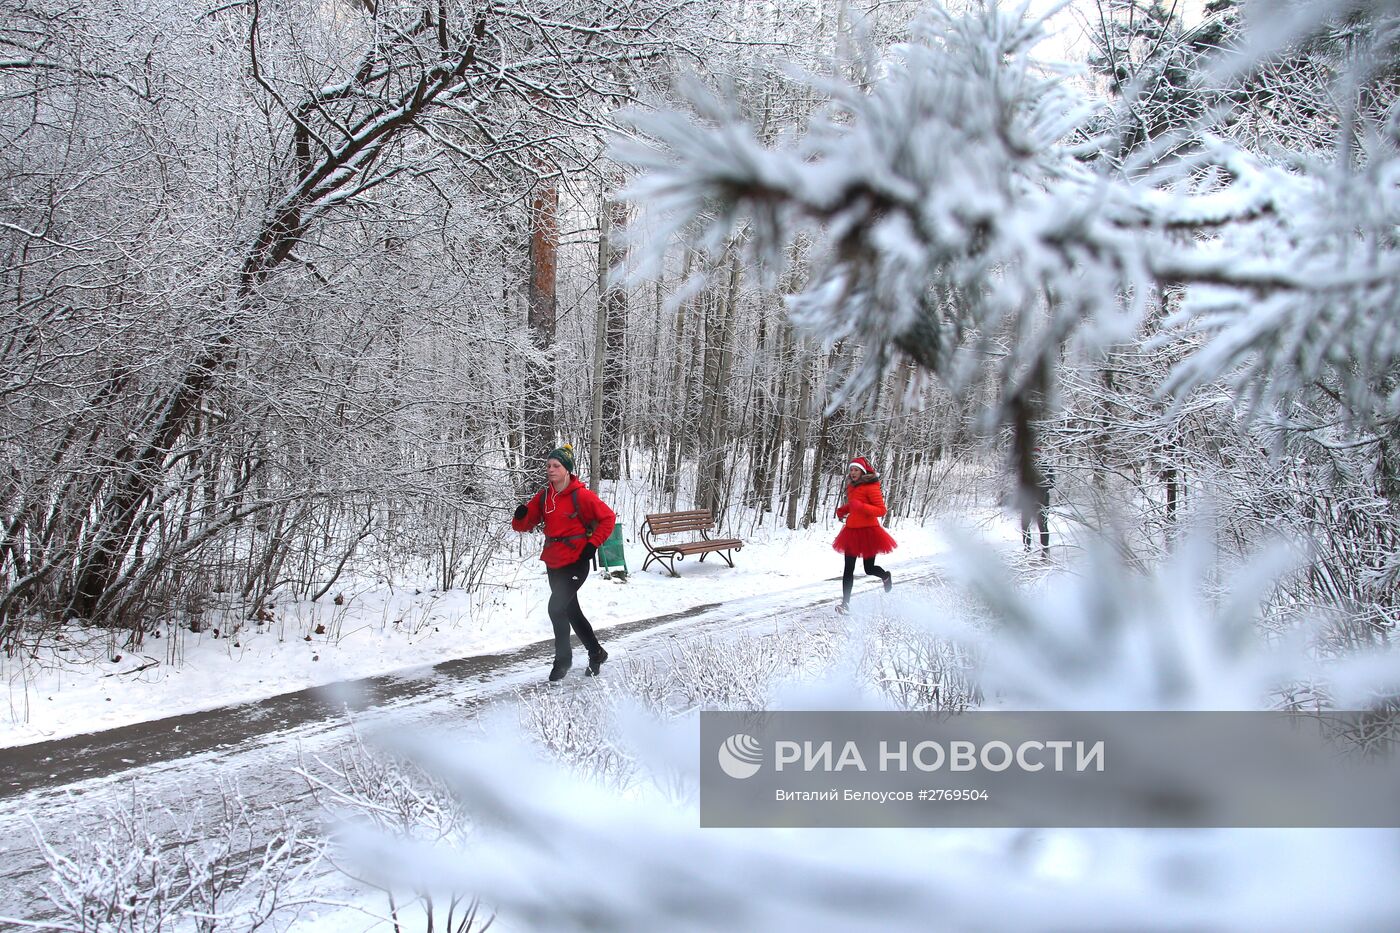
668, 559
726, 554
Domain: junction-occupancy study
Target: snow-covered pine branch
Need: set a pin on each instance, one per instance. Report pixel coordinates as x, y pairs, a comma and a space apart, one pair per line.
940, 186
946, 187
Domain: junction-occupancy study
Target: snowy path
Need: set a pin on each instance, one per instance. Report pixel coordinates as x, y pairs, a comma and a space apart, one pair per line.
176, 764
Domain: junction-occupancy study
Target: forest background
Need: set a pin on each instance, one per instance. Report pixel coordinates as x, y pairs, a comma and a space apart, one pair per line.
300, 290
297, 294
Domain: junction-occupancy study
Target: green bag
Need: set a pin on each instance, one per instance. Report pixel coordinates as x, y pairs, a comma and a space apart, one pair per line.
610, 557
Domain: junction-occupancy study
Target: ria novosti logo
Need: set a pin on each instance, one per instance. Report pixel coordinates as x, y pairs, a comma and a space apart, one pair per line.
741, 756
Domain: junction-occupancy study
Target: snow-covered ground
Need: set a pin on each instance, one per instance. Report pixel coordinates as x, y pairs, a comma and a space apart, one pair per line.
92, 683
379, 629
533, 824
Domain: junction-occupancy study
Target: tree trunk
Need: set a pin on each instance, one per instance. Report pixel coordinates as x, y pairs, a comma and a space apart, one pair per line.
768, 420
541, 320
809, 516
675, 390
714, 427
797, 454
596, 470
614, 300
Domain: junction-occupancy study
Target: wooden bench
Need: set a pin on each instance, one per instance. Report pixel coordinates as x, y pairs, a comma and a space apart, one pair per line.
696, 520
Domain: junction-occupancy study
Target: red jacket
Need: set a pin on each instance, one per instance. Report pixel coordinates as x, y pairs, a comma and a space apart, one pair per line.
556, 510
865, 503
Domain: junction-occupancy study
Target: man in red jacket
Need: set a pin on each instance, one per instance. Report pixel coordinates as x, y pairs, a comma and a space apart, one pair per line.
576, 523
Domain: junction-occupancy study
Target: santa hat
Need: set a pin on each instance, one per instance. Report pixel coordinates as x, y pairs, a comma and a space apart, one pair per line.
863, 463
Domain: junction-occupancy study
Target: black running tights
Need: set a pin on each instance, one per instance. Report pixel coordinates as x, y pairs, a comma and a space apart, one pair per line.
565, 613
848, 577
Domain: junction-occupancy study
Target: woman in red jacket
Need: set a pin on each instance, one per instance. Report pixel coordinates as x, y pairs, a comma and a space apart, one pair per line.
862, 537
576, 523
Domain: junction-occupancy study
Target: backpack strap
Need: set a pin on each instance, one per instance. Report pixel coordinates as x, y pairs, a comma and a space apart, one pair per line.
588, 526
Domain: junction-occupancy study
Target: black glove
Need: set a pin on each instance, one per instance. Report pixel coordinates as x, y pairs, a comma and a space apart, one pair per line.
521, 511
589, 550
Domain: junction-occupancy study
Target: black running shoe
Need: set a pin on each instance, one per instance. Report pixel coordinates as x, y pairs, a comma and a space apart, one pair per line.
595, 662
558, 671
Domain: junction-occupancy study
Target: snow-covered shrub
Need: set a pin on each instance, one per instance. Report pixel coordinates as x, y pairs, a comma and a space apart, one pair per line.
368, 787
719, 673
917, 670
575, 726
150, 870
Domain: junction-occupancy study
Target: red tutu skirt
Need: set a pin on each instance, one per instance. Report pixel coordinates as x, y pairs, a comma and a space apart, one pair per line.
864, 542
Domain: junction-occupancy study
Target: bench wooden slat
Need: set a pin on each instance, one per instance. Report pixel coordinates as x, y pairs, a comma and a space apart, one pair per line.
693, 520
667, 524
695, 547
678, 529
